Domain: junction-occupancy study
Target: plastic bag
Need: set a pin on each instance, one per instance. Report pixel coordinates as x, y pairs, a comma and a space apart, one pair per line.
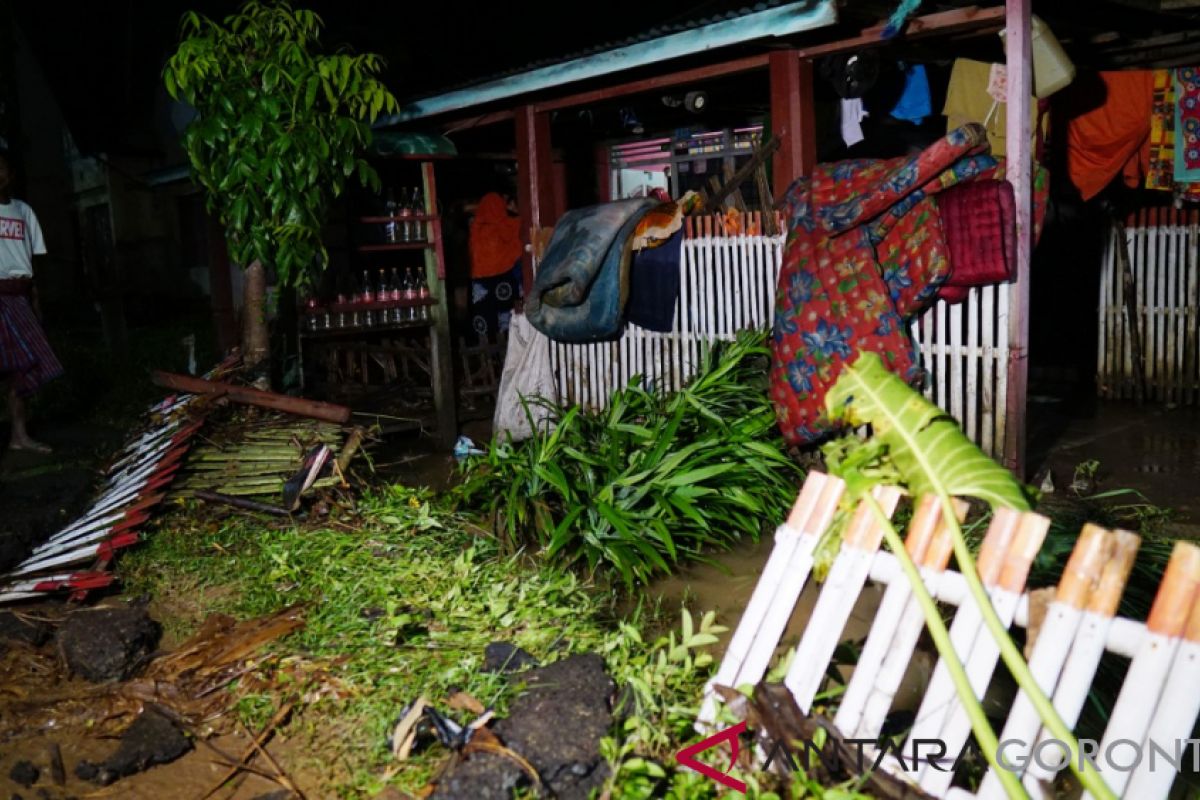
527, 373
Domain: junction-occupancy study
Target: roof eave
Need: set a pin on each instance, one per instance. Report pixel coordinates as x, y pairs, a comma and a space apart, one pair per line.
771, 23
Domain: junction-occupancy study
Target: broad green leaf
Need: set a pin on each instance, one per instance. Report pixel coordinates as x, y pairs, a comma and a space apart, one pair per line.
926, 445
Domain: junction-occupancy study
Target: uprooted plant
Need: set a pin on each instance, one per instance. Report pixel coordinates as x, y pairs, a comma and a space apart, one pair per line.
650, 480
916, 441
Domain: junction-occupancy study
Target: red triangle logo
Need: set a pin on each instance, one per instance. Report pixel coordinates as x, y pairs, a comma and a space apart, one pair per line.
686, 756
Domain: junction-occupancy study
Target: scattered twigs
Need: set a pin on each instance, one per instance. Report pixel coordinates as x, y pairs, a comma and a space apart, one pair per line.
280, 776
255, 743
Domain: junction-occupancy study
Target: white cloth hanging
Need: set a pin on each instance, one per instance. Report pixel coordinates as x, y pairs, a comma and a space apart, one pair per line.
527, 373
853, 114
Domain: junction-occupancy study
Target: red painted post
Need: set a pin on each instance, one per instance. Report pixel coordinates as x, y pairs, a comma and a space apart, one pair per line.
535, 188
1019, 136
791, 117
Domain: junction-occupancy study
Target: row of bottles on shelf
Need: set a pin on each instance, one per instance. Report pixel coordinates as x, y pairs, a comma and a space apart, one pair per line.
359, 308
402, 225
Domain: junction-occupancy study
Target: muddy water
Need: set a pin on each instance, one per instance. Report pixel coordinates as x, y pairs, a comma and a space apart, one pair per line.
725, 586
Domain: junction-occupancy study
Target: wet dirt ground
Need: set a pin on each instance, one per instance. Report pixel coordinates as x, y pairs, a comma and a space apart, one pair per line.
41, 492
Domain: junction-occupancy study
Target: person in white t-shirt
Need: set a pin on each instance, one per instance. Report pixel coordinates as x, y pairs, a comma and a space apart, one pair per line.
26, 360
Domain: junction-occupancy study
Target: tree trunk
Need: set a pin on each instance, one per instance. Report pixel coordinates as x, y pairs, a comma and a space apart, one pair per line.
256, 345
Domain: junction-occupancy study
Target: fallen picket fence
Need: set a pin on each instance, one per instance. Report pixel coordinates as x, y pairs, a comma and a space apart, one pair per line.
1158, 703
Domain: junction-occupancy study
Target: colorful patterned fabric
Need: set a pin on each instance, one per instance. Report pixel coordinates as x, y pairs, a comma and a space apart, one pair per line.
25, 355
1187, 125
1160, 167
865, 252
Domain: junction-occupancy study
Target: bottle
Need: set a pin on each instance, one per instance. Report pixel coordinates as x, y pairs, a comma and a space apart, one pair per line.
423, 293
405, 223
367, 294
417, 227
397, 292
410, 293
391, 228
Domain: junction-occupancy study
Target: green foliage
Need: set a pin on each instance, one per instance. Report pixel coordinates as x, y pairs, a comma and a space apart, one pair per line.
931, 456
911, 438
279, 127
652, 479
402, 601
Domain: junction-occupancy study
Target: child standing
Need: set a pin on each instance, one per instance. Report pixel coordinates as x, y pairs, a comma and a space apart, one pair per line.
26, 360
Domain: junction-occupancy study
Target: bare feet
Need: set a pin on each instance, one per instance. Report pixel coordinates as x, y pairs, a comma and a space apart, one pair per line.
28, 444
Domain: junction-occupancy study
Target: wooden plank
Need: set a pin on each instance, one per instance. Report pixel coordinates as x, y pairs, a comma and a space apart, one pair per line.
1174, 718
1143, 686
970, 18
441, 366
841, 589
777, 590
1019, 172
792, 118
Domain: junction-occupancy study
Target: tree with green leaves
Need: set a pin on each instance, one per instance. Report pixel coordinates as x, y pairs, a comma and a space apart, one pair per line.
279, 130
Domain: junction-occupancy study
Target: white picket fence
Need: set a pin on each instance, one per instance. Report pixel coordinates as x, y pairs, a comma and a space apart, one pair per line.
1164, 256
1156, 707
727, 284
964, 347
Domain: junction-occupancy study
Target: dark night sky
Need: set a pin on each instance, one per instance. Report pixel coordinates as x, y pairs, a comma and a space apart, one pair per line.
103, 59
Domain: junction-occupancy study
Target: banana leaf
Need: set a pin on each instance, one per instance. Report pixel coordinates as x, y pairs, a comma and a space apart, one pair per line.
924, 443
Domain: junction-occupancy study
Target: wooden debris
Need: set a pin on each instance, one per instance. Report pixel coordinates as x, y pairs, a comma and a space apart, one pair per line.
316, 409
774, 713
240, 502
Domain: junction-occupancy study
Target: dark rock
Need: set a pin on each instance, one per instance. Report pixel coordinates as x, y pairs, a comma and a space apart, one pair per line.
482, 776
16, 797
504, 657
14, 627
151, 739
108, 644
24, 773
556, 725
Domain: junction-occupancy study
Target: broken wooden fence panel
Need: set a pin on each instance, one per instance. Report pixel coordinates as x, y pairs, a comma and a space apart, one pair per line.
1157, 701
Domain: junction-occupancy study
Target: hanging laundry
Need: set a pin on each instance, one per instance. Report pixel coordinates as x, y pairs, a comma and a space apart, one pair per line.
654, 285
853, 114
661, 223
1160, 155
914, 104
1187, 125
979, 220
582, 283
976, 93
1105, 140
495, 238
865, 252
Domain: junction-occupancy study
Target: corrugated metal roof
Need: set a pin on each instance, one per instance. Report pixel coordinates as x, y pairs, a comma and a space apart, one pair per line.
696, 17
676, 37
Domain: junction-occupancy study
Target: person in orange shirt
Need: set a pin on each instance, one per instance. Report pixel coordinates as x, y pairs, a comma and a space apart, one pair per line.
495, 250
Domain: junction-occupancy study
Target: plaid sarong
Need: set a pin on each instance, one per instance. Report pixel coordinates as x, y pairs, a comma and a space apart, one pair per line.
25, 355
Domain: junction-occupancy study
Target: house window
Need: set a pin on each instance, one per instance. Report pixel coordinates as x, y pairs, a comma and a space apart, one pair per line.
688, 161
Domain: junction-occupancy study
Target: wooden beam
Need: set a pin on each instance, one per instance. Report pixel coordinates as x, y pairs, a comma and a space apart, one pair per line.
791, 118
535, 189
441, 365
1019, 171
657, 82
943, 22
959, 19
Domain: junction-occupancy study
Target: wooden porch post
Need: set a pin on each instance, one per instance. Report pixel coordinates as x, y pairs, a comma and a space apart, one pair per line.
791, 117
535, 188
1019, 136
